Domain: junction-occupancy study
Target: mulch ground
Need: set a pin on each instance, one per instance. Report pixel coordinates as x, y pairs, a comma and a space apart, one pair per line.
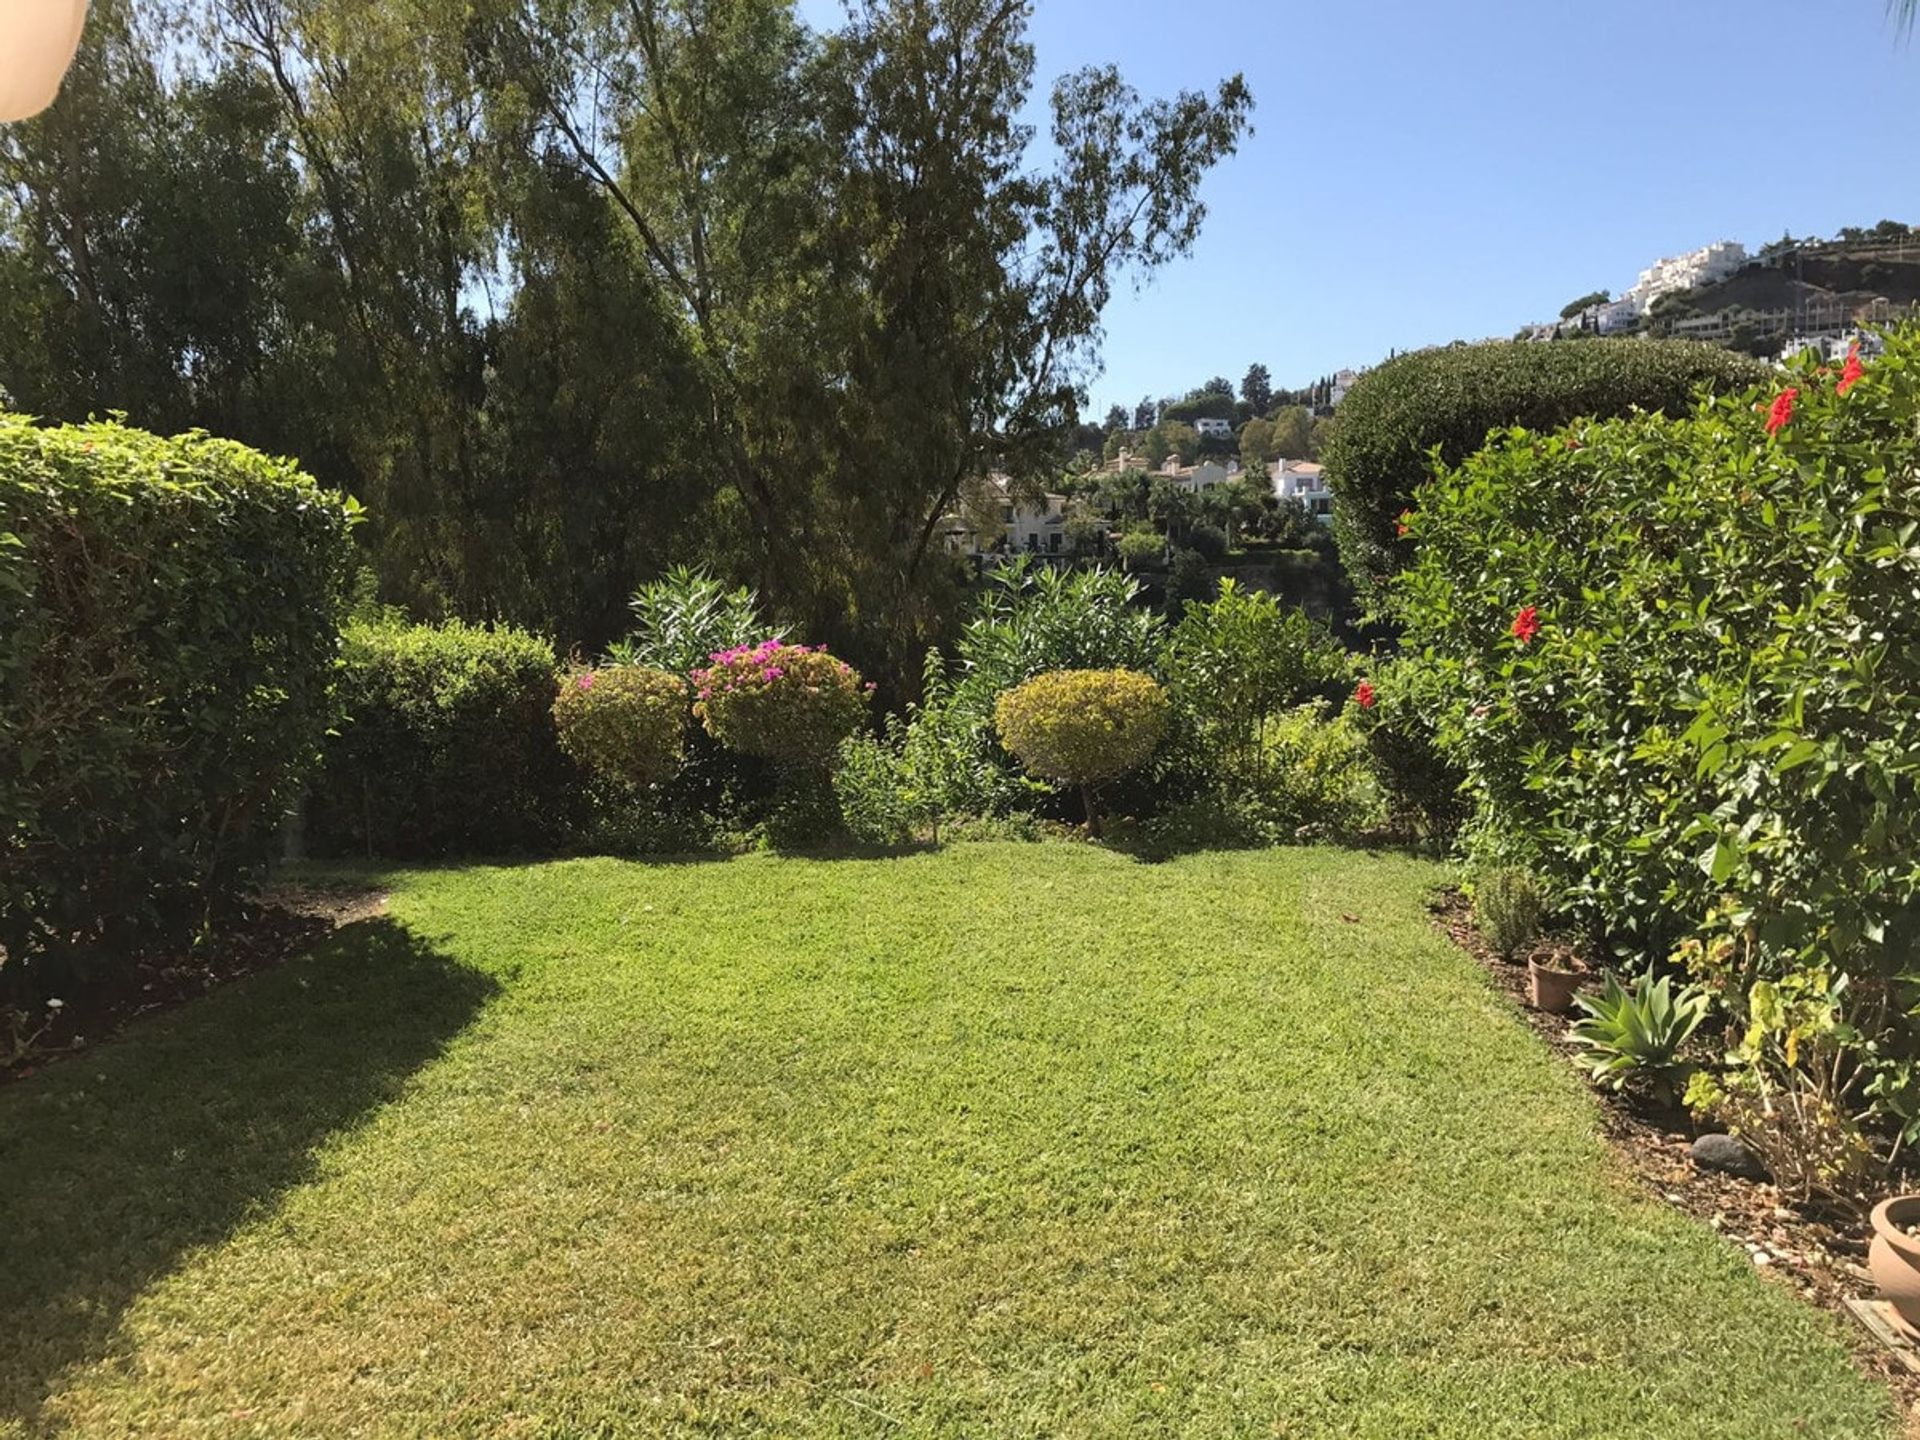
1820, 1256
277, 924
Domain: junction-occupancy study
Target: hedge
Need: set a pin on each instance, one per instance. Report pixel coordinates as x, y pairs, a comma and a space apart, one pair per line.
1677, 663
169, 614
448, 746
1394, 416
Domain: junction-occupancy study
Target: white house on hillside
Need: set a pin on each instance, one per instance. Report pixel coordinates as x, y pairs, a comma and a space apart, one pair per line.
1306, 482
1204, 476
1211, 427
1022, 526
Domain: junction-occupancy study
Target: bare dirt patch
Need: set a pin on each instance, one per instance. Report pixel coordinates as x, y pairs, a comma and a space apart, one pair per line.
276, 924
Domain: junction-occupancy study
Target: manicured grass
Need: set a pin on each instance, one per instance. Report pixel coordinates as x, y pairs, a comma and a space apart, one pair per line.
1001, 1141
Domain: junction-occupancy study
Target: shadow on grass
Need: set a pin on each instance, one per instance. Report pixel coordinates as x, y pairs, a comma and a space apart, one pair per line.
115, 1164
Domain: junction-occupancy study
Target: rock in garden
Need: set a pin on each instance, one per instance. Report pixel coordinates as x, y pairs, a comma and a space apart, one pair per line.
1728, 1155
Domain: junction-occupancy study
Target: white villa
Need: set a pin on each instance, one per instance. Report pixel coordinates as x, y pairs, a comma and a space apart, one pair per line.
1210, 427
1022, 527
1203, 476
1306, 482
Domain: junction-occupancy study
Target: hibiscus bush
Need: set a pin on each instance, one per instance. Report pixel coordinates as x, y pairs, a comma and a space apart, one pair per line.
1081, 727
626, 723
1677, 661
788, 703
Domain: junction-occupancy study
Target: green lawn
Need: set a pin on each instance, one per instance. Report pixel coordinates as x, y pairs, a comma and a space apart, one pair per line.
1001, 1141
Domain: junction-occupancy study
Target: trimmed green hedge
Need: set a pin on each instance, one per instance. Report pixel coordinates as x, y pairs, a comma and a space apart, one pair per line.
169, 614
448, 746
1395, 415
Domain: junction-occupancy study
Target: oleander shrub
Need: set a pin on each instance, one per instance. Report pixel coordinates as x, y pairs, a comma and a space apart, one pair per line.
1680, 661
1398, 414
792, 704
448, 746
169, 622
624, 723
681, 619
1082, 727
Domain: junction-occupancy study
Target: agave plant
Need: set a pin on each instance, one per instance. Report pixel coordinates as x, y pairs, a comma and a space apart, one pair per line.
1635, 1033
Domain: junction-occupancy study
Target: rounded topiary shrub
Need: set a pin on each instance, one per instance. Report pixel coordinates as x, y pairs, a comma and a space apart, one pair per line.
1081, 727
623, 722
787, 703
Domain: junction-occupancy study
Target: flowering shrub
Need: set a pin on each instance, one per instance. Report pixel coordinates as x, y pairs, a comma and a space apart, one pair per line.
623, 722
1706, 726
1081, 727
785, 702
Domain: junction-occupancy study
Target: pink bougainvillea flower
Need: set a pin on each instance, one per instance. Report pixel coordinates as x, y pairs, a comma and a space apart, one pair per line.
1781, 415
773, 672
1852, 374
585, 682
1363, 695
1526, 624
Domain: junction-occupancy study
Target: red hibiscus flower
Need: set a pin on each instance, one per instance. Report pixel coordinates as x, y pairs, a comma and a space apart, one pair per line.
1781, 415
1850, 376
1526, 624
1364, 696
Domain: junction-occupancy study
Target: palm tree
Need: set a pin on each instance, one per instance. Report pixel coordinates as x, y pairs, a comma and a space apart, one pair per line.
1904, 13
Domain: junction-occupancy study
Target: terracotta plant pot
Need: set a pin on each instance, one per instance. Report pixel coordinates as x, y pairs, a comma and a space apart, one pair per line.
1894, 1257
1551, 983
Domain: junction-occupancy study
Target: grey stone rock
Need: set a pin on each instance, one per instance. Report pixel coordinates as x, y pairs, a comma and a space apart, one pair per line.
1728, 1155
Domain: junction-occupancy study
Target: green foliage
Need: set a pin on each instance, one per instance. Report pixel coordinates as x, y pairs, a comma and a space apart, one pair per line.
169, 615
1710, 732
1398, 414
1508, 905
1235, 663
623, 722
686, 617
1142, 548
1421, 782
785, 703
720, 323
880, 803
1634, 1034
1313, 781
1189, 581
1081, 727
448, 746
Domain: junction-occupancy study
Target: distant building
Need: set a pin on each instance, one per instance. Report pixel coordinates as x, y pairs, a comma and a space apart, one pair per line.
1685, 272
1204, 476
1342, 383
1212, 428
1021, 526
1306, 482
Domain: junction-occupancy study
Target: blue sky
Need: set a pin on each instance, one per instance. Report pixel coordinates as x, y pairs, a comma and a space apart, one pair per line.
1430, 170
